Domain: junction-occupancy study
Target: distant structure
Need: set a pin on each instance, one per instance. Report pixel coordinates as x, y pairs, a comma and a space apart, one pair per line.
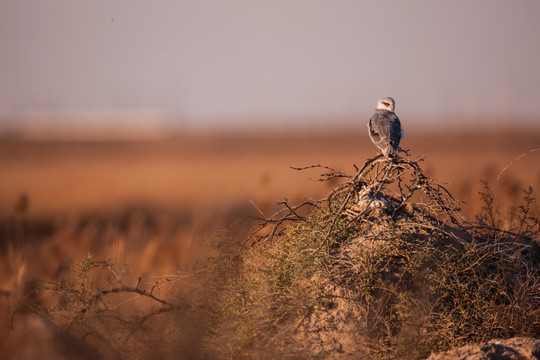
385, 128
93, 125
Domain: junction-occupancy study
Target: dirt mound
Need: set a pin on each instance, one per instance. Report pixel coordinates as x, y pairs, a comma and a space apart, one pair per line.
383, 268
519, 348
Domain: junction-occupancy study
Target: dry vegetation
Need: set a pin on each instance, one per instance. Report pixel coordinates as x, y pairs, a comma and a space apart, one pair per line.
384, 268
384, 262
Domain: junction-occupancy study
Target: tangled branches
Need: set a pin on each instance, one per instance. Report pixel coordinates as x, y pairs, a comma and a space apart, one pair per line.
379, 188
79, 297
382, 265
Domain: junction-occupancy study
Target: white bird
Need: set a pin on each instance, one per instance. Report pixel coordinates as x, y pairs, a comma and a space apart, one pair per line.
385, 128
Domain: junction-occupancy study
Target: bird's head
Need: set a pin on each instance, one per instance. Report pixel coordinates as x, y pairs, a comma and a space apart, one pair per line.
386, 103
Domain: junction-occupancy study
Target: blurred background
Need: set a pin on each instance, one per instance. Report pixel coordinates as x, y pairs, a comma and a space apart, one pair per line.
104, 105
138, 130
149, 68
108, 104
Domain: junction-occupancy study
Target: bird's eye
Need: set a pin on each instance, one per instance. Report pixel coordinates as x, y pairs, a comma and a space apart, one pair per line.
386, 104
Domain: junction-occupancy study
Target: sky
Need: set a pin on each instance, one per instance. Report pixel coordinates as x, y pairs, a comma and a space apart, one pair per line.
222, 62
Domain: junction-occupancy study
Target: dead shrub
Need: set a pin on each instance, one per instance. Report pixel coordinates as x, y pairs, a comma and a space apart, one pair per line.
384, 267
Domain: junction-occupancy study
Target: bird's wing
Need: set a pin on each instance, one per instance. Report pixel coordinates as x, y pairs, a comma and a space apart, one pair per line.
380, 126
395, 131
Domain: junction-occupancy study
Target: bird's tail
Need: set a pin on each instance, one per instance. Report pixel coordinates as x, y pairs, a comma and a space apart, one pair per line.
391, 154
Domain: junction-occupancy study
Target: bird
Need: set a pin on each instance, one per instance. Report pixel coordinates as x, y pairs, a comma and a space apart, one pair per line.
385, 128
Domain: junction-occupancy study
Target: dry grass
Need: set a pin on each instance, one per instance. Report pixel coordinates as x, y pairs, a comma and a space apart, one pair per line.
384, 268
148, 213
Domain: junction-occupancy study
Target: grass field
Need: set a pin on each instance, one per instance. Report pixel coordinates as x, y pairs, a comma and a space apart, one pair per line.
152, 209
213, 170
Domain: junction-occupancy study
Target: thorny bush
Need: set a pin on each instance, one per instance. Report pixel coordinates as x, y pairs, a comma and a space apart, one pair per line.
384, 267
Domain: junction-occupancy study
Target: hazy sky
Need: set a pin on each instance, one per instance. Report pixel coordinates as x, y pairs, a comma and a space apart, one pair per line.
220, 60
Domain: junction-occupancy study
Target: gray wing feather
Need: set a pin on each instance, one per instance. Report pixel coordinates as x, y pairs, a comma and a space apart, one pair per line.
385, 131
